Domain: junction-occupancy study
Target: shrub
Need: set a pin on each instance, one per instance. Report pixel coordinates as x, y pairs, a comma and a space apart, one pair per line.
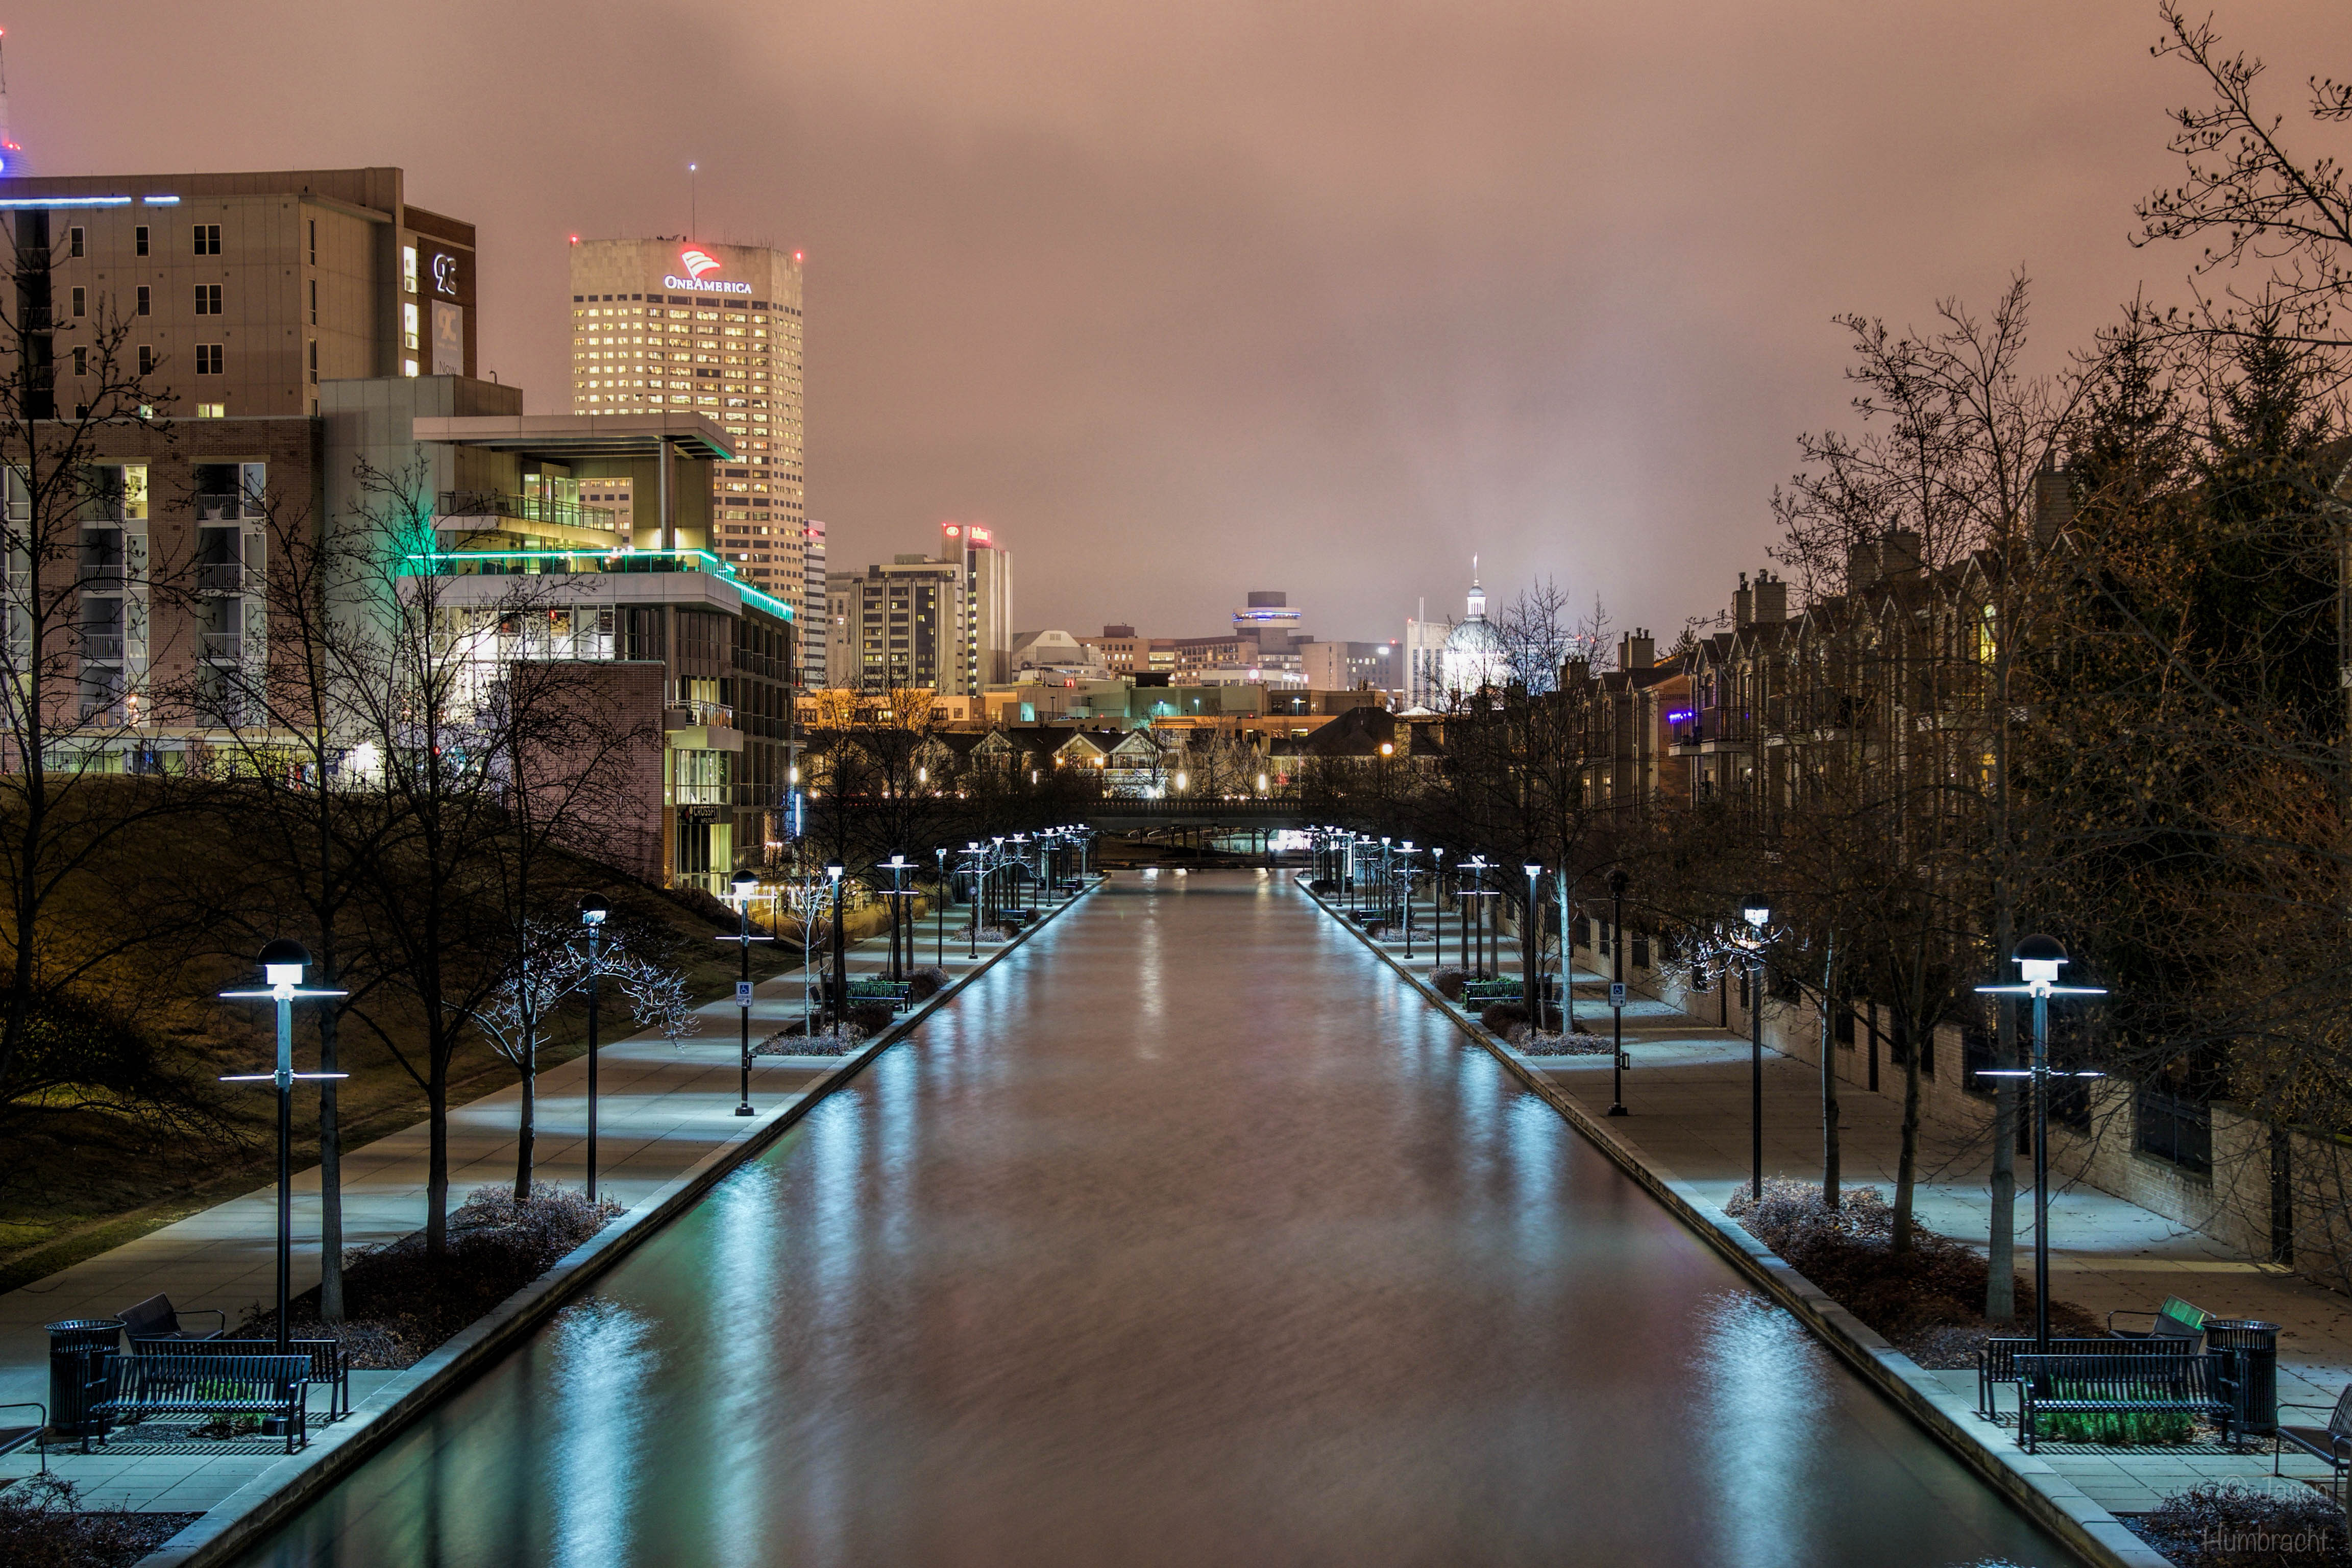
1502, 1018
2231, 1525
926, 981
1322, 885
2117, 1429
1448, 982
43, 1525
868, 1019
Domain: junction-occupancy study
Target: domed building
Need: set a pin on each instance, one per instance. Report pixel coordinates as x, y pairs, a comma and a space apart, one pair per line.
1474, 658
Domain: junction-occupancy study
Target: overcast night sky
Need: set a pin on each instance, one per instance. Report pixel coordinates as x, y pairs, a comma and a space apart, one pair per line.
1288, 294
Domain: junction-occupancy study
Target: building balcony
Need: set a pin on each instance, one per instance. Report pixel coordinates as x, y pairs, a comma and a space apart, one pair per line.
224, 644
525, 509
101, 647
488, 576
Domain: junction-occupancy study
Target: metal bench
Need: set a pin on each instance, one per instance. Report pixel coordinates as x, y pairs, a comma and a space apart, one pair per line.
330, 1368
2331, 1443
2119, 1386
156, 1320
1474, 992
897, 993
1997, 1362
177, 1383
2175, 1320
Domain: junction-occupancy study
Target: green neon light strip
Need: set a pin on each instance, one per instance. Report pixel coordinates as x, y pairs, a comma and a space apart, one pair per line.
766, 601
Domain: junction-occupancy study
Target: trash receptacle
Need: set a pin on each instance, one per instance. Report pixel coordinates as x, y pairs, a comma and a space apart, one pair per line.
74, 1346
2252, 1346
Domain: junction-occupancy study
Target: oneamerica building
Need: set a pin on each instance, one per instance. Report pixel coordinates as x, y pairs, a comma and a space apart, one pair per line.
681, 326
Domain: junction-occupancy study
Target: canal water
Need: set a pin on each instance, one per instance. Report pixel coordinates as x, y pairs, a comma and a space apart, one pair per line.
1186, 1234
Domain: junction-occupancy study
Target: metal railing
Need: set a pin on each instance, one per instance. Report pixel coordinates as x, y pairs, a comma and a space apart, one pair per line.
698, 712
220, 578
524, 509
101, 645
224, 644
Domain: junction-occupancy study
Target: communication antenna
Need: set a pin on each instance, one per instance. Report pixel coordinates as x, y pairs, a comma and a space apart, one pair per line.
693, 225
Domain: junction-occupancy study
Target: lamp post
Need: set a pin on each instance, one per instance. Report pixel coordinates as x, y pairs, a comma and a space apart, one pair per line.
939, 953
1531, 948
1756, 911
592, 911
1617, 880
897, 866
1476, 864
2038, 959
742, 888
840, 982
1437, 906
1021, 858
283, 964
1405, 852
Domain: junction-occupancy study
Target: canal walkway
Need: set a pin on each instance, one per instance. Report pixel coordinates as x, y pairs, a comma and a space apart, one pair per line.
663, 1110
1687, 1098
1188, 1234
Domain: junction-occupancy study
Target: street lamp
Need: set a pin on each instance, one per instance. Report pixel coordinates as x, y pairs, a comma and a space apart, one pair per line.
1405, 852
840, 985
282, 963
1531, 949
592, 911
2038, 960
1437, 906
742, 888
1756, 912
897, 866
940, 956
1477, 866
1617, 880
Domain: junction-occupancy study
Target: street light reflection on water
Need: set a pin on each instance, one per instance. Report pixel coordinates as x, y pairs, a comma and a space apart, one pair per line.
1188, 1235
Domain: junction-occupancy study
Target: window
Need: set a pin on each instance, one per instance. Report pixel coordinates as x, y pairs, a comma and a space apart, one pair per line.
314, 249
208, 298
140, 238
81, 302
146, 300
408, 326
146, 359
212, 410
81, 362
314, 361
2173, 1129
207, 238
408, 368
314, 301
73, 240
408, 268
208, 359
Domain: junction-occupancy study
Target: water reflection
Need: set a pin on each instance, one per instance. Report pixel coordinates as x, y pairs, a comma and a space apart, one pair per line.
1273, 1270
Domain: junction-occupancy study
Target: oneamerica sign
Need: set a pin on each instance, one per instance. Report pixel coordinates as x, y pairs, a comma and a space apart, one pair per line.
707, 285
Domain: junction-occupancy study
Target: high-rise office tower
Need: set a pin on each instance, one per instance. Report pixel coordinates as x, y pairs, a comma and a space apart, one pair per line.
673, 325
814, 618
988, 593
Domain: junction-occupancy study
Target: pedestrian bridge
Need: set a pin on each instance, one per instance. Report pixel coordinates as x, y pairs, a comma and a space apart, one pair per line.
1240, 815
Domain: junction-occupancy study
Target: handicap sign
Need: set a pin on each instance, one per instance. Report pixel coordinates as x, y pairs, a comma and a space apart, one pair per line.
1616, 994
742, 993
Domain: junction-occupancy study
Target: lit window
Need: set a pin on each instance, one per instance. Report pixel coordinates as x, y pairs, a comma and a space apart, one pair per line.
408, 268
212, 410
408, 368
409, 325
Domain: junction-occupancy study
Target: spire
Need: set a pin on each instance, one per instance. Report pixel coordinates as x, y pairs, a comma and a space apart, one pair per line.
1478, 594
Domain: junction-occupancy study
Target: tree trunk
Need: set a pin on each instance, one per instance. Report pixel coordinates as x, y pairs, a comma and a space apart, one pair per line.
331, 1163
436, 1163
525, 1132
1830, 1173
1906, 1169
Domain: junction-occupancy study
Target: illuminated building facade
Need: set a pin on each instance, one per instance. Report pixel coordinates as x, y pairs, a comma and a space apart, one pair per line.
668, 325
241, 293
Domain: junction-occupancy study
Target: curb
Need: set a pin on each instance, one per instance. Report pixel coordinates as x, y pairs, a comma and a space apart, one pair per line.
2029, 1483
271, 1498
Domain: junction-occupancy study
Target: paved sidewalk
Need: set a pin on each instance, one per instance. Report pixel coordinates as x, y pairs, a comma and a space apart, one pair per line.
1687, 1095
661, 1111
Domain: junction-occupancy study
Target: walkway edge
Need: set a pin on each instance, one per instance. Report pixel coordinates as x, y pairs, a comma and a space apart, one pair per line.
2028, 1482
267, 1500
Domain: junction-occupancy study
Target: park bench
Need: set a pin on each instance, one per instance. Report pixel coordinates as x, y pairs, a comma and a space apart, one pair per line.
129, 1388
2175, 1320
154, 1319
1997, 1362
330, 1369
1474, 993
2332, 1443
897, 993
2123, 1385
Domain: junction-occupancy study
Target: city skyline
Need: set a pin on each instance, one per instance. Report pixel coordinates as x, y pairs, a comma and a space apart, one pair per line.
1454, 299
